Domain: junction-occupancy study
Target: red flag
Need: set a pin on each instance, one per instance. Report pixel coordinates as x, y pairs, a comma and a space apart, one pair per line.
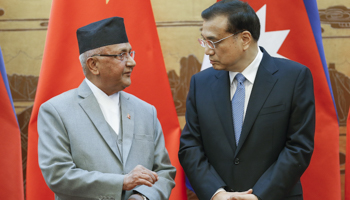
347, 161
11, 174
300, 22
291, 29
61, 71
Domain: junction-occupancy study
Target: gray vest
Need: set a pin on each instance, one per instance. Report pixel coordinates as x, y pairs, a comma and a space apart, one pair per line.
118, 139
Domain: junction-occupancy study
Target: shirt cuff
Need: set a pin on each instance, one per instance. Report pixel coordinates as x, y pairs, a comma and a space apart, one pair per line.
143, 196
217, 191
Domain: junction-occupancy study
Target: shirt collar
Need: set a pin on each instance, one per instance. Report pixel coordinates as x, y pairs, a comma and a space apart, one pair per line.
250, 72
102, 97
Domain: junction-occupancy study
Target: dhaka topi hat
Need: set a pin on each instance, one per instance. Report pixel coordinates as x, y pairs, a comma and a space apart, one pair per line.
101, 33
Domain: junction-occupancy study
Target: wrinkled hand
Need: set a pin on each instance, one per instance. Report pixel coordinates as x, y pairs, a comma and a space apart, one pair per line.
139, 176
135, 197
233, 195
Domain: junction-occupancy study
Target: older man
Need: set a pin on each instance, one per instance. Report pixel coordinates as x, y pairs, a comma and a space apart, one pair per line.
96, 141
250, 120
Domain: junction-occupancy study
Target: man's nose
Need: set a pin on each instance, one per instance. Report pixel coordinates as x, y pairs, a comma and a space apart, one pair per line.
208, 51
130, 62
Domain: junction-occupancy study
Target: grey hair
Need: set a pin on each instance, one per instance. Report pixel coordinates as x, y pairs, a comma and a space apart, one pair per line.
84, 56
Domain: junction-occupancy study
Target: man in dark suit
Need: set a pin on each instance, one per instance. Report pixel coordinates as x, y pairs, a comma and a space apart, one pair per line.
250, 120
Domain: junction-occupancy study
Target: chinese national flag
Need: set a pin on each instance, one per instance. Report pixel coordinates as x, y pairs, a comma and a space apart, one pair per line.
11, 176
61, 71
299, 21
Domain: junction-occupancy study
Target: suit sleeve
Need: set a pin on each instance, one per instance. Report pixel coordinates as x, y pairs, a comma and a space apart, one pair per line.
162, 166
202, 175
280, 178
62, 176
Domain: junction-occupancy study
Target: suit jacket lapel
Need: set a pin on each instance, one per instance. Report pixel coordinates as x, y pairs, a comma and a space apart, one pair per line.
127, 116
221, 95
262, 87
90, 105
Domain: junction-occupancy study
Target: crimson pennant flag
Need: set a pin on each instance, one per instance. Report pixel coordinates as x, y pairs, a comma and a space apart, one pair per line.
61, 71
291, 29
11, 174
347, 161
282, 25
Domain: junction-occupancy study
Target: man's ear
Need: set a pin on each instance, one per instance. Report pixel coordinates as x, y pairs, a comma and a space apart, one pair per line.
92, 65
247, 39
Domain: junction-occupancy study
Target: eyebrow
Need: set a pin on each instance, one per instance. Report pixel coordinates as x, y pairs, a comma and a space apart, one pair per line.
124, 50
209, 37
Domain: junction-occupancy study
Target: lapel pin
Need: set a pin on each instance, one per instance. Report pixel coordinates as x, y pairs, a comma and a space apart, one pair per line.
128, 116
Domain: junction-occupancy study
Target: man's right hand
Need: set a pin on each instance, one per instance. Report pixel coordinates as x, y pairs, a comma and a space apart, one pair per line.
228, 195
139, 176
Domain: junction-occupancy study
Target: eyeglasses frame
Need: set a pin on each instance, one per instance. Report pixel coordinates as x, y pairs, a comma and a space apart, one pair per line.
118, 56
205, 42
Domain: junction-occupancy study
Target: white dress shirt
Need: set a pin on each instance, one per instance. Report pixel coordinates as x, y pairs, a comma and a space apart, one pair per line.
109, 105
249, 73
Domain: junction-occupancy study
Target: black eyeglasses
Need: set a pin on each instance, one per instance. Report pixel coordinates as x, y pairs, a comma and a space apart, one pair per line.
120, 56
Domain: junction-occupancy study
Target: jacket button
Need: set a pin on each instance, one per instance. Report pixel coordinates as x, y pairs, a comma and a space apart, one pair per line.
236, 161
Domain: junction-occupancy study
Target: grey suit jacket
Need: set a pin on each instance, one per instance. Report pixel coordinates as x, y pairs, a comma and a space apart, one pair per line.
79, 158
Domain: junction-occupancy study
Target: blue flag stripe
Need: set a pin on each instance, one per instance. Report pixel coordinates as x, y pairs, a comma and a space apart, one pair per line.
5, 80
314, 19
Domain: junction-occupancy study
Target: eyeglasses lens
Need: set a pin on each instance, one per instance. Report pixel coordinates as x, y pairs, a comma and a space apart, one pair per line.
206, 42
132, 54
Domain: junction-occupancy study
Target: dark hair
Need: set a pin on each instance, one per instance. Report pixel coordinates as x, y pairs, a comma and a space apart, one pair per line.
240, 16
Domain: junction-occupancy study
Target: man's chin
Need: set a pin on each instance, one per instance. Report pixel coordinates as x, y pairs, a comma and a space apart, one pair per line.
127, 84
217, 67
